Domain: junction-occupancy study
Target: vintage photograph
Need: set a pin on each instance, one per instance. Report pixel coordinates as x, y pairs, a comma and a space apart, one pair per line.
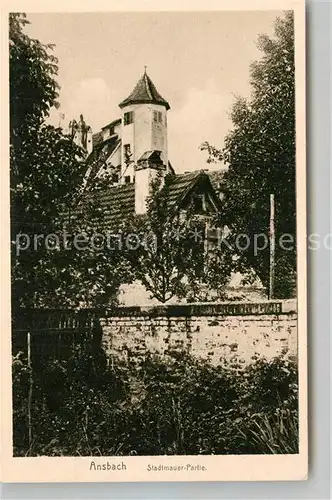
154, 276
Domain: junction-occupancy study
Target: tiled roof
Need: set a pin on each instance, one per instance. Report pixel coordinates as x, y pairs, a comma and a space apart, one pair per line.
181, 185
118, 202
97, 138
112, 124
117, 205
151, 154
100, 153
145, 92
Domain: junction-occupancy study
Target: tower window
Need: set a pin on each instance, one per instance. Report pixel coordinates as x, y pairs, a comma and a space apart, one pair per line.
128, 118
127, 179
127, 153
157, 116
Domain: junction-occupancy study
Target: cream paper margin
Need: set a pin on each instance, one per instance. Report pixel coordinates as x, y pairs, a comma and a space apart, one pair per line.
218, 468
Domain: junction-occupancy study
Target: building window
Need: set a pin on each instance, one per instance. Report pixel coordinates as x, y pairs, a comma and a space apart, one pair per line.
128, 118
157, 116
115, 178
127, 153
199, 203
127, 179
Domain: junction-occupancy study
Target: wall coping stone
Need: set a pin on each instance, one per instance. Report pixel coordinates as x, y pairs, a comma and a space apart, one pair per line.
164, 311
183, 311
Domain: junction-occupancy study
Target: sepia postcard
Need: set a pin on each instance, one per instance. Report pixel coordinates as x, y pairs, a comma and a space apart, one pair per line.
154, 322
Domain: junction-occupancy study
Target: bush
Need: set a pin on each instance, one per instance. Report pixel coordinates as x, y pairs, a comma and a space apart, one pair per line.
191, 407
180, 406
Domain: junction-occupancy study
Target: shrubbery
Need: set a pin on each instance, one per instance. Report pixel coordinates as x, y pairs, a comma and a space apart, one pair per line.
182, 406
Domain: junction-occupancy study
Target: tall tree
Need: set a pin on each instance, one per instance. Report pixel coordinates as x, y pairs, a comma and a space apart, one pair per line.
33, 88
260, 153
172, 259
47, 183
162, 251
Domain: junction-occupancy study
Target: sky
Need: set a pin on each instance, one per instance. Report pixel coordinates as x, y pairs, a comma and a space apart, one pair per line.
199, 62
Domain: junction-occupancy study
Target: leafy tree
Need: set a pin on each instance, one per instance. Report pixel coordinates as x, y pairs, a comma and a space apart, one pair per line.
172, 259
162, 253
47, 185
260, 152
33, 89
214, 274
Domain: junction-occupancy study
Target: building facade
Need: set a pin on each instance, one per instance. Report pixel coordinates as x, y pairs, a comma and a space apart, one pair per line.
131, 151
133, 148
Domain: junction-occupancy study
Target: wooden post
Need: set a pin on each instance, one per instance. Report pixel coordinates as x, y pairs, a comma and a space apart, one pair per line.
272, 246
30, 390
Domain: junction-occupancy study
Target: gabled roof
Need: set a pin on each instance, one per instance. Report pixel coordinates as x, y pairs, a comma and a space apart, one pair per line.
180, 186
183, 184
97, 138
112, 124
118, 202
101, 152
152, 154
144, 92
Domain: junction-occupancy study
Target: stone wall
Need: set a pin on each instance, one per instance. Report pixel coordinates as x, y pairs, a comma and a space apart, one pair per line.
234, 334
135, 294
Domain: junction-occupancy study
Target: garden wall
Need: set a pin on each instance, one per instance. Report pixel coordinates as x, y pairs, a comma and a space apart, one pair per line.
235, 334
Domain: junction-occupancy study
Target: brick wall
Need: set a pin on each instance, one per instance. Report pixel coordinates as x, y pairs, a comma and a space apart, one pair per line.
235, 334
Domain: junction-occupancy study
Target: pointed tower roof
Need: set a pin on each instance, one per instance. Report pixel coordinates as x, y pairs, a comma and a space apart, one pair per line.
144, 92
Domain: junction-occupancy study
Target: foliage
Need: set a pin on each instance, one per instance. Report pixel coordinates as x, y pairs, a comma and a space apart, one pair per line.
73, 408
212, 274
47, 190
277, 434
168, 256
33, 89
182, 405
172, 259
190, 407
260, 152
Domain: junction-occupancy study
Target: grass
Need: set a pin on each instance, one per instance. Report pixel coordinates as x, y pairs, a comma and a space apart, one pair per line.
82, 407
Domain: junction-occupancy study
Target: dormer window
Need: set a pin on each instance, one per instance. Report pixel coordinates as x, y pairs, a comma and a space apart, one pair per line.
199, 203
128, 118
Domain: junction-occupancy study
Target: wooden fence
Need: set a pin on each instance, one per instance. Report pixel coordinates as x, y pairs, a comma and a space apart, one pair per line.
43, 334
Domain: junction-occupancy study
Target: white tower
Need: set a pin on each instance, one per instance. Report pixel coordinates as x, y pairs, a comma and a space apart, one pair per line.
144, 138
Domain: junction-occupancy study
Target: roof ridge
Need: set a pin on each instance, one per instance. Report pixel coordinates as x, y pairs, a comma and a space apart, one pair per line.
190, 172
147, 84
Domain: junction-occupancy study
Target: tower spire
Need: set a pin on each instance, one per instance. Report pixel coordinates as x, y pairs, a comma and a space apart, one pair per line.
144, 92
